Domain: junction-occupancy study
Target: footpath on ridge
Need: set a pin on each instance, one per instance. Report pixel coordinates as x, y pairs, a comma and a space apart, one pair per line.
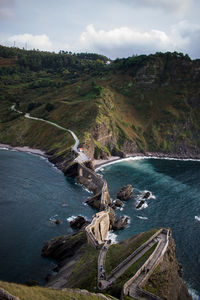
132, 287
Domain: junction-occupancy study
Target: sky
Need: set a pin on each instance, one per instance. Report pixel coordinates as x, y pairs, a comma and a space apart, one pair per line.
115, 28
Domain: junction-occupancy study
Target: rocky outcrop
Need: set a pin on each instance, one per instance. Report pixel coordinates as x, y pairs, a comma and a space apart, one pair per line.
120, 223
4, 295
165, 281
125, 192
88, 183
146, 195
63, 247
139, 205
118, 203
79, 222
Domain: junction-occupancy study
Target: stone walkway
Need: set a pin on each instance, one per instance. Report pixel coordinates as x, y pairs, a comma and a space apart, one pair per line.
161, 239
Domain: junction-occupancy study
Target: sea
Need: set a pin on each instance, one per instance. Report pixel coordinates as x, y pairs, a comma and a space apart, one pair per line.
34, 193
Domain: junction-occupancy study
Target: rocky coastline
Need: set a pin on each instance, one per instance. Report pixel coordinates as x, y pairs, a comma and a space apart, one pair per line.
57, 243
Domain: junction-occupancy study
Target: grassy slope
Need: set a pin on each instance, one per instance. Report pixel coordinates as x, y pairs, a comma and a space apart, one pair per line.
118, 252
159, 114
40, 293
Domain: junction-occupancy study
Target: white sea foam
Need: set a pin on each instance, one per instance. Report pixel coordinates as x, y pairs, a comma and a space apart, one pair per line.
69, 219
193, 294
53, 218
112, 236
197, 218
120, 208
144, 157
4, 148
142, 218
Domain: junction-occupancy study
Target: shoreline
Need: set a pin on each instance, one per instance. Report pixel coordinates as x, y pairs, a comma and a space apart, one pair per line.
25, 149
98, 164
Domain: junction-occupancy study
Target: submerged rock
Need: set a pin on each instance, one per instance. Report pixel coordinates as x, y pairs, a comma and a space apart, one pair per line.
78, 222
125, 193
57, 222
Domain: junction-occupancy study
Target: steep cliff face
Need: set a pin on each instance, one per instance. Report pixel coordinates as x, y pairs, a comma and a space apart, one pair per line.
165, 281
149, 106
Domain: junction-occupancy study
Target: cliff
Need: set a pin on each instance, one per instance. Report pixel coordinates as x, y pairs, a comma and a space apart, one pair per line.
143, 104
166, 281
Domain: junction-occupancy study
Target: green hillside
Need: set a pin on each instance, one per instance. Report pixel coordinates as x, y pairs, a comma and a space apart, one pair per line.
136, 105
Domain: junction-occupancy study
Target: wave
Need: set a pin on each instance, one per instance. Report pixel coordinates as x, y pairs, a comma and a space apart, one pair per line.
112, 236
143, 157
193, 294
142, 218
69, 219
4, 148
53, 218
197, 218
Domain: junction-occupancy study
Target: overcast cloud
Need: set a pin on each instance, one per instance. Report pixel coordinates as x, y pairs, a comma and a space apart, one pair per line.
172, 6
115, 28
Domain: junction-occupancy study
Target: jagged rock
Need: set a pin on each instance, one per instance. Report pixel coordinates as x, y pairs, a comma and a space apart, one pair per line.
112, 217
139, 205
89, 165
125, 192
78, 222
120, 223
87, 183
118, 203
146, 195
57, 222
65, 246
94, 201
117, 152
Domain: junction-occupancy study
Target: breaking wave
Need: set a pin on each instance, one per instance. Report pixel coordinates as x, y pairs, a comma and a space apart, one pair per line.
142, 218
197, 218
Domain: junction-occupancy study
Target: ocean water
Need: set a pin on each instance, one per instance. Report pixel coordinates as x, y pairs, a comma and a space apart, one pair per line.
33, 194
174, 203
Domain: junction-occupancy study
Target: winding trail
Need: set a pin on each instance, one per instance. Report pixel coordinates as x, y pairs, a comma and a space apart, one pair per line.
133, 286
82, 157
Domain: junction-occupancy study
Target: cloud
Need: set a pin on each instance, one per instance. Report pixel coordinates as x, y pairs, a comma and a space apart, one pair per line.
166, 5
124, 41
41, 42
6, 9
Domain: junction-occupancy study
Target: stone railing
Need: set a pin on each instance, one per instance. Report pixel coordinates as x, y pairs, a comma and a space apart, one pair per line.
138, 250
131, 281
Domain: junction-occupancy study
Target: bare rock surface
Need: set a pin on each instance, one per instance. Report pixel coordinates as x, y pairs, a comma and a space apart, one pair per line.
125, 193
78, 222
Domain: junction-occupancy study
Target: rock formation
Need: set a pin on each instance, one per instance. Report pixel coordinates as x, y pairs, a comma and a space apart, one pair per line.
120, 223
125, 193
139, 205
78, 222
